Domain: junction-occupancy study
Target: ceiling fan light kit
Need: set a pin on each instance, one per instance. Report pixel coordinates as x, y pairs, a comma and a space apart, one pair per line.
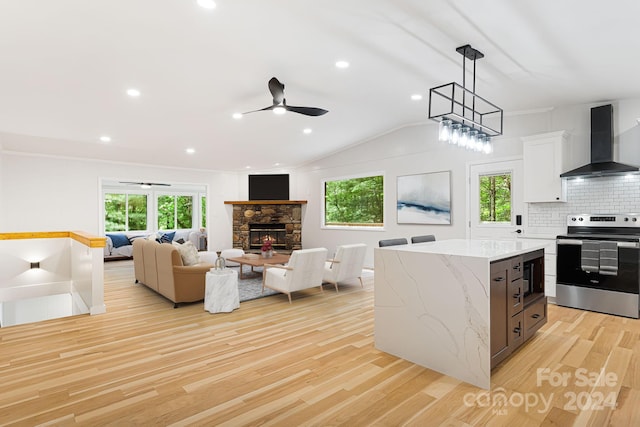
466, 119
280, 106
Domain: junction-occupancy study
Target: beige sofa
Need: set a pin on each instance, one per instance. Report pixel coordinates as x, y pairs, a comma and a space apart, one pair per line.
159, 267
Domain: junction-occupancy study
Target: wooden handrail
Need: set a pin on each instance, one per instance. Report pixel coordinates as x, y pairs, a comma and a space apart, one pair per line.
79, 236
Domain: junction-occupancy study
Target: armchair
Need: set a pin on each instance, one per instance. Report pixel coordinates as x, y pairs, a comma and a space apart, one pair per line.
303, 271
347, 264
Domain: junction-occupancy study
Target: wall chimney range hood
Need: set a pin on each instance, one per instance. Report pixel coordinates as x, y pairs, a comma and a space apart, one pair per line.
602, 163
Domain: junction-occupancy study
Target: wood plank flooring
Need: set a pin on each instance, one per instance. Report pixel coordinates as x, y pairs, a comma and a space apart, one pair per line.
311, 363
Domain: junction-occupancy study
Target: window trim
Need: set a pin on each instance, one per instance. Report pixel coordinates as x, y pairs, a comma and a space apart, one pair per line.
323, 182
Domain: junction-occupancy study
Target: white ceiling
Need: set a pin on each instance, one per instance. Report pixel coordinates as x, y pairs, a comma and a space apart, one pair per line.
65, 66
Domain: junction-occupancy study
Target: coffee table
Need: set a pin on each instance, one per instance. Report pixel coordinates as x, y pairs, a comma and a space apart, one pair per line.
260, 261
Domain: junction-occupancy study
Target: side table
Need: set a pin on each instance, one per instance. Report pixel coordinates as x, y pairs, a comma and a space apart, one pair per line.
221, 291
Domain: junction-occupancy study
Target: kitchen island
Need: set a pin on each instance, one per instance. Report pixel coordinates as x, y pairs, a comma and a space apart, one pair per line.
454, 305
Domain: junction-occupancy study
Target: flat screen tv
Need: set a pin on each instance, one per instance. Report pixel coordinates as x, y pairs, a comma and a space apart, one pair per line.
269, 187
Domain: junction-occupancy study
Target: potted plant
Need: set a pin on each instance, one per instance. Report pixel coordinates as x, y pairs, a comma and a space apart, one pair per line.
267, 249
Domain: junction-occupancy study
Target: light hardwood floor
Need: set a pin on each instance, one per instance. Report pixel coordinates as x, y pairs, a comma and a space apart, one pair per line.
309, 363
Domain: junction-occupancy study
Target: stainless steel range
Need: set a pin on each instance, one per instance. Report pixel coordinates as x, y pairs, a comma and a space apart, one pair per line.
598, 264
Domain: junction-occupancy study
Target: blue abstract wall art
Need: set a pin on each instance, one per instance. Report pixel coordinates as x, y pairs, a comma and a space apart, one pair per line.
424, 198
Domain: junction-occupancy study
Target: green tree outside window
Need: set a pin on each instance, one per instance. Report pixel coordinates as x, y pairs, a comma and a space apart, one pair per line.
175, 212
137, 208
354, 202
495, 198
203, 211
125, 212
115, 212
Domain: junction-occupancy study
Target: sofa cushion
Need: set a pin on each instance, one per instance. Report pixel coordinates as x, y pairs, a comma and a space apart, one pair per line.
119, 240
188, 253
167, 237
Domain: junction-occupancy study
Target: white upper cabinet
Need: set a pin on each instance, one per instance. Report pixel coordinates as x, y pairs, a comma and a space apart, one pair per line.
543, 156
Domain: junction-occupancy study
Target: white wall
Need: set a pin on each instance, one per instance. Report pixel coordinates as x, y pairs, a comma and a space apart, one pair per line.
407, 151
415, 149
47, 193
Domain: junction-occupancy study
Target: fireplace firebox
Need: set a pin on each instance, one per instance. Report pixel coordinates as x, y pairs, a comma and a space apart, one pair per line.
276, 233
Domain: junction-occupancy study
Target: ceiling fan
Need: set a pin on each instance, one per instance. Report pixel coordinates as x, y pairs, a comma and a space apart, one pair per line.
146, 184
280, 103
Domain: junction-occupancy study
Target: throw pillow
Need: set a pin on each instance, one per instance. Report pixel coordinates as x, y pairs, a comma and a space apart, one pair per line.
119, 240
167, 237
132, 238
188, 253
181, 241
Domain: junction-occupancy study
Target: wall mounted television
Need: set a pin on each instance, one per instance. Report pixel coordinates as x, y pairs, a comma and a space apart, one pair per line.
269, 187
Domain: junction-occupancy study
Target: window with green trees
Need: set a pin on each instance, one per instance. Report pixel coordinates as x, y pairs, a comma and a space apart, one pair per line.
495, 198
175, 212
203, 211
125, 212
354, 202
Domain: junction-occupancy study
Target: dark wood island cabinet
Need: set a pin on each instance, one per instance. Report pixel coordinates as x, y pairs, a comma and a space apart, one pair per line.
517, 303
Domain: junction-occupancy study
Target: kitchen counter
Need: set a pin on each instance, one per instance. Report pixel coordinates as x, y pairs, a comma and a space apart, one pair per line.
491, 250
432, 303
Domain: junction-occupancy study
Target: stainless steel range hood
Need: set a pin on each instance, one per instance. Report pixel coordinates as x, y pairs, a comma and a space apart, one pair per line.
602, 163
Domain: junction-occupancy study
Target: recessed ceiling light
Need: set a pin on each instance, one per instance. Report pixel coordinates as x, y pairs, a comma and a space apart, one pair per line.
190, 150
307, 131
416, 97
342, 64
279, 110
105, 138
207, 4
247, 167
276, 164
134, 93
237, 116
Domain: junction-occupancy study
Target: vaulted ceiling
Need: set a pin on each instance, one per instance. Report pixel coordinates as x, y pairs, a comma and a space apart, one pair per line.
65, 67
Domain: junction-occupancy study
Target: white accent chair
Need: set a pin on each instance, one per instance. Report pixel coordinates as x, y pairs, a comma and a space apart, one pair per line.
347, 264
304, 270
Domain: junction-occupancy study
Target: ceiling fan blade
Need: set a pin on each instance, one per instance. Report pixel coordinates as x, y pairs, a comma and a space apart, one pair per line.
271, 107
277, 90
145, 183
307, 111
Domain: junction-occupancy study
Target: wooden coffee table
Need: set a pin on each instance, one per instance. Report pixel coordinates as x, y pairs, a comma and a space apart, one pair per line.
260, 261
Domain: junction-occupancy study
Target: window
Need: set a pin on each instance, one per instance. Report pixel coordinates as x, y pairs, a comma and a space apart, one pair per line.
495, 198
125, 212
203, 211
354, 202
175, 212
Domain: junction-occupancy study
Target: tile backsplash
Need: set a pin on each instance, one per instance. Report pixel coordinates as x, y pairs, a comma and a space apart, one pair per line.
613, 194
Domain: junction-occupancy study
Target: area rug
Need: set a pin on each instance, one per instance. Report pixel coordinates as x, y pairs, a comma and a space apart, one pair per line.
251, 286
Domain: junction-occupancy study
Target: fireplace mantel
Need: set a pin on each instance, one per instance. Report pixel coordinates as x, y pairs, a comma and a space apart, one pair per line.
266, 202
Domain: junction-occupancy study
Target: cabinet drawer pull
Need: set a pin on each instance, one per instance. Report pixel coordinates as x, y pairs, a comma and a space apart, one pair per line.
499, 279
516, 296
516, 267
516, 329
535, 316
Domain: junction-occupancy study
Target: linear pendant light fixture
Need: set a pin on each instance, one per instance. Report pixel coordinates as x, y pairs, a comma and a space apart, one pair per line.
466, 119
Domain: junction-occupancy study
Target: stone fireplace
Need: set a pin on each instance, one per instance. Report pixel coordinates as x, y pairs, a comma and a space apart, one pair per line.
278, 220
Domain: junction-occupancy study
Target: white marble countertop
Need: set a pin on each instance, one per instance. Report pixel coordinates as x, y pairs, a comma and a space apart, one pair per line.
492, 250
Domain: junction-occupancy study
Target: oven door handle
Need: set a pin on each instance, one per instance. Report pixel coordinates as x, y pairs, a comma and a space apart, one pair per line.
575, 242
629, 245
569, 242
